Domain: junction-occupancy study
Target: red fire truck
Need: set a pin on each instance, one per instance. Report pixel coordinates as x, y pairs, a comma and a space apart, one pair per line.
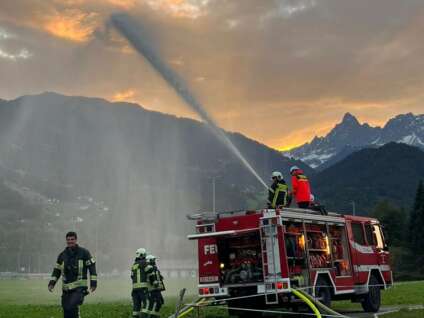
268, 252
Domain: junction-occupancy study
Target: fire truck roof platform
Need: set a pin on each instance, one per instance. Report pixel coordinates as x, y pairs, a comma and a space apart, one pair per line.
214, 216
284, 213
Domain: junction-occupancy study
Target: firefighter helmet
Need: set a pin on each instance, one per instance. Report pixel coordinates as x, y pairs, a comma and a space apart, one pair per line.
150, 258
277, 174
140, 253
294, 168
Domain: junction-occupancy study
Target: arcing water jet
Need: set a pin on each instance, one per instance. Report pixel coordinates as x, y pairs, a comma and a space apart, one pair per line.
136, 33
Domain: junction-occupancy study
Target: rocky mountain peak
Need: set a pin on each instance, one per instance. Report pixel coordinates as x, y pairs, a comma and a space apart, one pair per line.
348, 118
349, 136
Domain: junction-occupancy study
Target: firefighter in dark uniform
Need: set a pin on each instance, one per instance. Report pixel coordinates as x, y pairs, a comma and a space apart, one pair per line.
278, 192
73, 264
139, 292
155, 286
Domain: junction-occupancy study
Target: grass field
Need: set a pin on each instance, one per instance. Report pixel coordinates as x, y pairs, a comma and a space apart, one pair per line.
30, 299
411, 293
34, 291
405, 313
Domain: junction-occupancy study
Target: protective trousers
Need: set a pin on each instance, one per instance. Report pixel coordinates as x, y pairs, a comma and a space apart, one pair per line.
139, 297
303, 205
154, 303
71, 300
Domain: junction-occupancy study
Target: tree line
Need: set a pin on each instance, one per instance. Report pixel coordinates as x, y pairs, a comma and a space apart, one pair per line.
404, 233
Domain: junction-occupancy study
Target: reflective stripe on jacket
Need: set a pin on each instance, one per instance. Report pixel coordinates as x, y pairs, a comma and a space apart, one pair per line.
139, 275
73, 264
277, 194
155, 279
301, 187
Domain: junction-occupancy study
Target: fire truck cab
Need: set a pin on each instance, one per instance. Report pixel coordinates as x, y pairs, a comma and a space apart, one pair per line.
268, 252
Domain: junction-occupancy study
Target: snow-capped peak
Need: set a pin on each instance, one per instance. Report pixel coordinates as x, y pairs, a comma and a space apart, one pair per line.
349, 135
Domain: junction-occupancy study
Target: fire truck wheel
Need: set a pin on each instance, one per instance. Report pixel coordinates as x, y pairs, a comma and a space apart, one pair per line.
372, 300
323, 291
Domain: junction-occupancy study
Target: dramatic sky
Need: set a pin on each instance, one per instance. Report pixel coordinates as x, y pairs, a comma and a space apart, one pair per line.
278, 71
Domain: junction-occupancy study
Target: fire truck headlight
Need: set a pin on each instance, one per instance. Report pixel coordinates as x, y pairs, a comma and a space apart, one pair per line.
222, 266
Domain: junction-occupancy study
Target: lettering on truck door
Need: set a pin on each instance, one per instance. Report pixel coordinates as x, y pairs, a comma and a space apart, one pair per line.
208, 260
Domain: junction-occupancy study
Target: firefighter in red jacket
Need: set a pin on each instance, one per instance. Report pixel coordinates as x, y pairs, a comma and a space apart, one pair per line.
301, 188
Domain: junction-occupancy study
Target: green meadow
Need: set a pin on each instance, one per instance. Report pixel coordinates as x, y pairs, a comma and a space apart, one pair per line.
30, 298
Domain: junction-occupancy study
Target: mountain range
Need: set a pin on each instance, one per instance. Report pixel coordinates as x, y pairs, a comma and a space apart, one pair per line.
59, 155
87, 144
371, 175
123, 176
349, 136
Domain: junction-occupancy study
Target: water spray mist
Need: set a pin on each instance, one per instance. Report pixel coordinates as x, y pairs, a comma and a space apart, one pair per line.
136, 33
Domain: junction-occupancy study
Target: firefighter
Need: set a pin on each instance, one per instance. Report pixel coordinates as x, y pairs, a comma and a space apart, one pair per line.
139, 283
156, 286
278, 191
301, 188
73, 264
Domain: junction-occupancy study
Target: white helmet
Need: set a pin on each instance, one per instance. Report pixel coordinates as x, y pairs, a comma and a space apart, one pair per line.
293, 169
150, 258
277, 174
140, 253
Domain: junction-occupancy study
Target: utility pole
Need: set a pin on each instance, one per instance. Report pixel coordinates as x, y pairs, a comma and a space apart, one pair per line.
97, 235
101, 210
21, 245
213, 194
353, 208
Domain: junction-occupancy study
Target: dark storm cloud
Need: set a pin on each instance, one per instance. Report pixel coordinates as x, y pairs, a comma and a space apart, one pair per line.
304, 62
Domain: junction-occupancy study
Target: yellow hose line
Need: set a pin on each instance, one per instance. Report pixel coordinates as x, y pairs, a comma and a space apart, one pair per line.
321, 305
189, 310
186, 312
308, 302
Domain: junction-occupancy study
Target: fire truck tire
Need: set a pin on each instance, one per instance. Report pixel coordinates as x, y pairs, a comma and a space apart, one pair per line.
372, 300
323, 291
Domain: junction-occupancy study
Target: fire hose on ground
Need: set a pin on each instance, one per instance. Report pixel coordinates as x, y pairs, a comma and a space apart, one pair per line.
320, 304
189, 308
311, 302
307, 301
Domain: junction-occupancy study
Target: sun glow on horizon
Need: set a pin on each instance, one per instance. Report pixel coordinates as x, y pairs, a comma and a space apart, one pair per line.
289, 147
124, 96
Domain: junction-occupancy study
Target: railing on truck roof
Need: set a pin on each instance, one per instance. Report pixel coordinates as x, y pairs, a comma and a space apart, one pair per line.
216, 215
213, 216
